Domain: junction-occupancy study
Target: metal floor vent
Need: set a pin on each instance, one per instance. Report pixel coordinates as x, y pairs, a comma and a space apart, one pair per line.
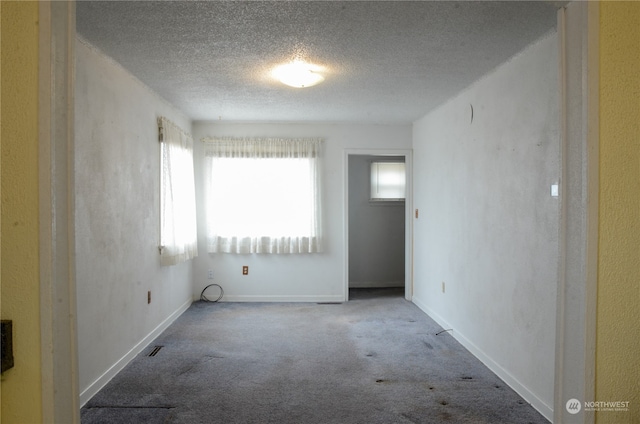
155, 351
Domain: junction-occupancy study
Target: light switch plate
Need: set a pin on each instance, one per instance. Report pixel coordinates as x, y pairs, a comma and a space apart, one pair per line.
554, 190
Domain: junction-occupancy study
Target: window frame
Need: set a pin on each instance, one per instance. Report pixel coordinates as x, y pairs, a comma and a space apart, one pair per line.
389, 200
255, 149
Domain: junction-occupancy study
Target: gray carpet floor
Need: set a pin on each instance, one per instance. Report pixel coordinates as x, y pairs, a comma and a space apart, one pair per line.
374, 359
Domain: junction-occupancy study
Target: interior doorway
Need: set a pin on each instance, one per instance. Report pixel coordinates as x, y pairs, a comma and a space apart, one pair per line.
377, 231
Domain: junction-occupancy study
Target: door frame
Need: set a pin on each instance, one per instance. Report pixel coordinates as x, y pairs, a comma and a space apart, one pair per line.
408, 208
56, 80
575, 362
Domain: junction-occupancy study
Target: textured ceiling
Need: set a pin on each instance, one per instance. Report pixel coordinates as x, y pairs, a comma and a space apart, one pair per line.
387, 62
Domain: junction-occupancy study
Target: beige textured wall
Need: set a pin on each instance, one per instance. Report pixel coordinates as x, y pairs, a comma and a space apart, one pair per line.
21, 388
618, 315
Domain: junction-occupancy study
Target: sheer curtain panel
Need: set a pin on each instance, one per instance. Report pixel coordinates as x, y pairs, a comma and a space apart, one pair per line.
263, 195
178, 235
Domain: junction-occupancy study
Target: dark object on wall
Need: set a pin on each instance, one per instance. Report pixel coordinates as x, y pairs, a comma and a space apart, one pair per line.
7, 344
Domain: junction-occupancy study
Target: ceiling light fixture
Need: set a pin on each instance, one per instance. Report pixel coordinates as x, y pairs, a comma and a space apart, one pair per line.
298, 74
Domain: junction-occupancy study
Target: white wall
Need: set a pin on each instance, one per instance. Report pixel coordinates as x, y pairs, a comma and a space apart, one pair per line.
488, 227
117, 219
376, 232
307, 277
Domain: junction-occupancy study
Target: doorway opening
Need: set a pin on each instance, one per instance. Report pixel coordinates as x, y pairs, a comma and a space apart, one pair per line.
378, 230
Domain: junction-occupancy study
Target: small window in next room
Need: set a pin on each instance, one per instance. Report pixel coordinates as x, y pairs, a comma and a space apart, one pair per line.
387, 181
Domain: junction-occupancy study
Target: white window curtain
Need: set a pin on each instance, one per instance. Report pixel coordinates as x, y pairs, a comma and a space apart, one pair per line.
178, 235
263, 195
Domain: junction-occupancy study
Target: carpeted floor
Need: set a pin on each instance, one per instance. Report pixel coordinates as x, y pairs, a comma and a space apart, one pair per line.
374, 359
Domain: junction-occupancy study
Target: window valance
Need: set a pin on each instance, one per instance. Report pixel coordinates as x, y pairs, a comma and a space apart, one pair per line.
262, 147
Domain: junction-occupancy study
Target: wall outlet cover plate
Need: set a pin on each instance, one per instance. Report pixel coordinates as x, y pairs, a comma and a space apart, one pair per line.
7, 344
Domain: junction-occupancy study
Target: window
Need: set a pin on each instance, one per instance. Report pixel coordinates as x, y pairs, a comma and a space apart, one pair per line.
387, 181
178, 236
262, 195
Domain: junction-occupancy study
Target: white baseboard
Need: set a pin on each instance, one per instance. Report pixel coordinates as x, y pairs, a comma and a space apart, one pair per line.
375, 284
283, 298
510, 380
95, 387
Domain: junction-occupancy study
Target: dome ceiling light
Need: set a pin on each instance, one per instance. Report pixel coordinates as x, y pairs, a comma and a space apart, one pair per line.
298, 74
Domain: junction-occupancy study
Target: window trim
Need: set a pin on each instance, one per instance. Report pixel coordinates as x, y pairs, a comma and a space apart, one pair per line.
256, 148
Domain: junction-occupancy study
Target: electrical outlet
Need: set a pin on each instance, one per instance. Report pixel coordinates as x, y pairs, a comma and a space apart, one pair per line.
149, 297
443, 287
210, 274
245, 270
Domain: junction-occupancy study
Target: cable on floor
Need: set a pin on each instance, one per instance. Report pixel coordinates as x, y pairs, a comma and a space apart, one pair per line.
206, 299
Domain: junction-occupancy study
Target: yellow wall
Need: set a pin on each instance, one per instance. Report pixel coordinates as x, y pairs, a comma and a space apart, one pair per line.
21, 388
618, 314
0, 190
